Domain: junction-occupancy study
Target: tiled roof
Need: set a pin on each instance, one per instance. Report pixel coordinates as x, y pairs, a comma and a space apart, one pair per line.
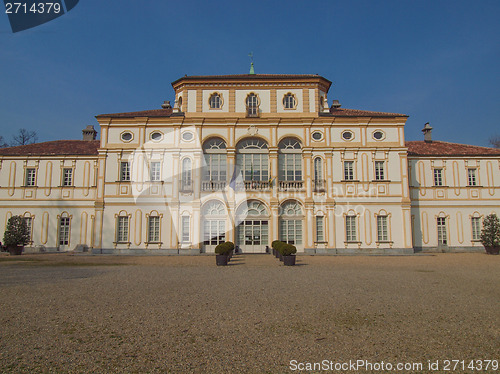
56, 148
439, 148
343, 112
142, 113
251, 76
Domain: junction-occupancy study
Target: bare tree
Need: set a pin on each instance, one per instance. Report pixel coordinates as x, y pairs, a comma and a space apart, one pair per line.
495, 141
24, 137
3, 143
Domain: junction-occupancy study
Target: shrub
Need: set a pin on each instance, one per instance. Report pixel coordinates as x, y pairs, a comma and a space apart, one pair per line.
490, 234
279, 246
17, 232
288, 249
224, 248
273, 244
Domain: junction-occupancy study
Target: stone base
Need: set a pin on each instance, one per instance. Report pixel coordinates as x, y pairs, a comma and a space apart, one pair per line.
141, 252
478, 249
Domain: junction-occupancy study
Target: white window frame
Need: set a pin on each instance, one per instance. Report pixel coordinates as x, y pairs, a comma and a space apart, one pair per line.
476, 228
472, 177
187, 175
122, 229
215, 101
64, 229
320, 229
155, 171
382, 229
252, 104
30, 179
379, 170
154, 229
441, 231
185, 229
29, 224
348, 170
438, 177
289, 101
125, 171
67, 177
351, 234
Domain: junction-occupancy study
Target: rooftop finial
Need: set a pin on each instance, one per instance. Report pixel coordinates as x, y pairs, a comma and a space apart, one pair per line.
252, 71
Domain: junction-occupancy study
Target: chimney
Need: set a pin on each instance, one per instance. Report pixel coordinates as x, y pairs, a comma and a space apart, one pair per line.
427, 130
166, 105
89, 133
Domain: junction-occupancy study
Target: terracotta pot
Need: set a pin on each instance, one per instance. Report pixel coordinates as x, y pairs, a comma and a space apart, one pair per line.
492, 250
15, 250
221, 260
289, 260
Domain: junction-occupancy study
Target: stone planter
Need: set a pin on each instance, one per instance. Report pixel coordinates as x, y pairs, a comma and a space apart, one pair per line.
492, 250
221, 260
15, 250
289, 260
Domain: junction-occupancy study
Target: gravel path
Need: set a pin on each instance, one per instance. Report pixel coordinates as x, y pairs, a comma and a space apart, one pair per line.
65, 313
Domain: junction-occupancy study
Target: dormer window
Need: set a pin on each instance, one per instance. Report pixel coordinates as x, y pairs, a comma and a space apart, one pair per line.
215, 101
252, 105
289, 101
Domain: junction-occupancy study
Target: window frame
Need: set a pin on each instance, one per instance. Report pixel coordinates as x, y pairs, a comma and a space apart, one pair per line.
438, 177
348, 171
351, 234
289, 101
30, 177
382, 228
252, 103
442, 234
185, 229
155, 171
476, 226
154, 232
64, 231
186, 175
472, 177
380, 170
122, 229
320, 229
214, 104
125, 171
67, 181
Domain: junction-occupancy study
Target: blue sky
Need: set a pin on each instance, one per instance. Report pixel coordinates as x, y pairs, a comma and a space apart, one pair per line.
437, 61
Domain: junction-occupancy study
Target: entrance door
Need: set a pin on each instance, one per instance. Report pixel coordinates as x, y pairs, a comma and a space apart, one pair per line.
253, 236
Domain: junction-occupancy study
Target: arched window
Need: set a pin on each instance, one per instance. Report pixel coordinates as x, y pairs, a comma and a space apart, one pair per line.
291, 217
186, 176
214, 223
252, 159
252, 103
318, 169
215, 165
215, 101
289, 101
290, 160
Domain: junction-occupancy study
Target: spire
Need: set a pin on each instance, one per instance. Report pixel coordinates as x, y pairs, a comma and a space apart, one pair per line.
252, 71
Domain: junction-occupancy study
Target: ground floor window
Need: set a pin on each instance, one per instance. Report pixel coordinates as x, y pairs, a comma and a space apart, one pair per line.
291, 231
320, 229
154, 229
350, 228
122, 230
214, 231
29, 225
476, 228
441, 229
382, 229
185, 229
64, 231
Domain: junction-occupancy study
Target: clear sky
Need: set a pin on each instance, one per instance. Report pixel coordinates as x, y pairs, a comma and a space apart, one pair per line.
437, 61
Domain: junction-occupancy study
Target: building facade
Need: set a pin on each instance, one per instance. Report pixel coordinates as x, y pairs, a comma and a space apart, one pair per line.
251, 158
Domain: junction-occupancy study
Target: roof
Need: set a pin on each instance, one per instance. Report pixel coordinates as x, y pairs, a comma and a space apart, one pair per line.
252, 77
142, 113
54, 148
439, 148
343, 112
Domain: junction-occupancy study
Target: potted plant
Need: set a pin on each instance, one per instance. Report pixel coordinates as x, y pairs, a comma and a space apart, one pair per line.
16, 235
490, 234
288, 252
273, 246
223, 251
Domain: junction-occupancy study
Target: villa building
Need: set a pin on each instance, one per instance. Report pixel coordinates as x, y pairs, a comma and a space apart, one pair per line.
251, 158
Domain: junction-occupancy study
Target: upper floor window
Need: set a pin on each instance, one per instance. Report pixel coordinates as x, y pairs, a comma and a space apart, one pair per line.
320, 228
290, 160
348, 170
438, 177
215, 101
289, 101
30, 179
124, 171
318, 169
186, 176
215, 156
471, 176
252, 103
379, 170
252, 159
67, 177
154, 171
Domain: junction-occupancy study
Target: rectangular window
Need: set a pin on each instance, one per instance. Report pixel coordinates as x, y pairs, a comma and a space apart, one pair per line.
185, 229
64, 231
214, 231
441, 229
471, 173
215, 168
122, 230
320, 229
291, 231
350, 228
476, 228
30, 177
155, 171
290, 167
382, 229
67, 177
255, 167
154, 229
438, 177
125, 171
29, 224
379, 170
348, 170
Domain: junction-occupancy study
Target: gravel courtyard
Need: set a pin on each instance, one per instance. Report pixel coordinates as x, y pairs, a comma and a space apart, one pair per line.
176, 314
